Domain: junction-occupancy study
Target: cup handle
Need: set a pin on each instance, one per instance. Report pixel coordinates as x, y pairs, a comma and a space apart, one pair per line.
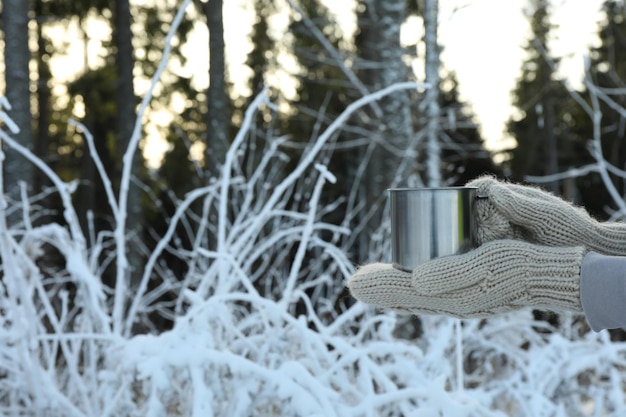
400, 267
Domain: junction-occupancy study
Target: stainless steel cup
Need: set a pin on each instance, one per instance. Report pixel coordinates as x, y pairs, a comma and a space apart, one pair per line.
428, 223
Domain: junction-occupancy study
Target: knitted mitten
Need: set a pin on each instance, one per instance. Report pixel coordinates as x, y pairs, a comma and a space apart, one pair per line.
513, 211
495, 278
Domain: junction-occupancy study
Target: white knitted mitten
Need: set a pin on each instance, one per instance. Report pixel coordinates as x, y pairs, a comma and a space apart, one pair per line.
513, 211
497, 277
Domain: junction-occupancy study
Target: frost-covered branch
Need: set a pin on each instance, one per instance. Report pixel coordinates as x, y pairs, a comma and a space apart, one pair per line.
334, 53
122, 272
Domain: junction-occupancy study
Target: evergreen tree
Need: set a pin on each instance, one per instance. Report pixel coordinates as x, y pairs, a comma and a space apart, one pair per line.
607, 71
463, 153
106, 91
261, 60
545, 143
322, 93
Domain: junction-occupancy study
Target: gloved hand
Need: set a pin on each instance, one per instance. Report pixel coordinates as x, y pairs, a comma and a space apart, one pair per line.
532, 246
513, 211
497, 277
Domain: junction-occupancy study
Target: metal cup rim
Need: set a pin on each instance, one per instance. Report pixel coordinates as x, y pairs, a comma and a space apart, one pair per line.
456, 188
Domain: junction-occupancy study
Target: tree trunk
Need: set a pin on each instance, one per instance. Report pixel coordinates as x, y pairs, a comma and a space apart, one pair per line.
17, 82
42, 139
126, 101
381, 50
126, 117
217, 97
548, 132
433, 112
382, 65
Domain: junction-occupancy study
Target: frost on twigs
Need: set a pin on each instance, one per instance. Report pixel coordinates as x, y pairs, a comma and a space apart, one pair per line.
261, 325
4, 117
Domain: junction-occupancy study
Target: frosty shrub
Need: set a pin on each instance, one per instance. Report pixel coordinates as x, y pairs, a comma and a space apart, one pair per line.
260, 327
256, 335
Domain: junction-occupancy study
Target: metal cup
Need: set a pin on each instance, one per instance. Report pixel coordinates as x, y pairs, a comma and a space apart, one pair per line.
428, 223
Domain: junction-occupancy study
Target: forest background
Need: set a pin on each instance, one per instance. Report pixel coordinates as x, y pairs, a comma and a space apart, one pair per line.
211, 281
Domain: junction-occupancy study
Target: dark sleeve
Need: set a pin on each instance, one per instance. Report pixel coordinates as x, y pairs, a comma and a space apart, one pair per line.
603, 291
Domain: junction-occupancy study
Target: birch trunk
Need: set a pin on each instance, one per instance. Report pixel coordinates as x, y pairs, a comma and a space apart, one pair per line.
433, 111
392, 129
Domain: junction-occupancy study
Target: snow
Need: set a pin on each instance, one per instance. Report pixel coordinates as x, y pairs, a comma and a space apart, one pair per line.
238, 348
254, 335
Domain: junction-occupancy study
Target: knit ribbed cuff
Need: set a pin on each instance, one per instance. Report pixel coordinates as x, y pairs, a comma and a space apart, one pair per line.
603, 291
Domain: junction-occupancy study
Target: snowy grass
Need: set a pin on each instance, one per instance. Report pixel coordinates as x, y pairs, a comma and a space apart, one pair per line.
260, 325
